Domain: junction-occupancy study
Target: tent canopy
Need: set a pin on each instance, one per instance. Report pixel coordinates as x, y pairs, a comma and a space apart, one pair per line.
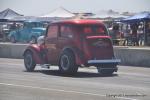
59, 12
23, 18
8, 14
138, 17
108, 14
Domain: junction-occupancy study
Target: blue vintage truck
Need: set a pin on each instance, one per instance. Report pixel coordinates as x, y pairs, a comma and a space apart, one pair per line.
28, 33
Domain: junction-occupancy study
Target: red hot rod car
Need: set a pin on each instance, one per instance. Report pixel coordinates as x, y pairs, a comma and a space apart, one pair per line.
71, 44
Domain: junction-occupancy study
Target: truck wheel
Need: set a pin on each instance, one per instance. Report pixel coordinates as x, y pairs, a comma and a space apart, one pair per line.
29, 61
12, 39
33, 39
103, 71
67, 63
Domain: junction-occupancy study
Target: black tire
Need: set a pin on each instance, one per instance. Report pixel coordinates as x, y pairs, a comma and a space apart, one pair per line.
12, 39
107, 71
33, 39
29, 61
67, 63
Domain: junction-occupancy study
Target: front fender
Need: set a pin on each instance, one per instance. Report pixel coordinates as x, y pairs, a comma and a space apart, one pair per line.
36, 52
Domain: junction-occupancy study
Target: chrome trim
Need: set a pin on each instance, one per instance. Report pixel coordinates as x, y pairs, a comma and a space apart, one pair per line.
104, 61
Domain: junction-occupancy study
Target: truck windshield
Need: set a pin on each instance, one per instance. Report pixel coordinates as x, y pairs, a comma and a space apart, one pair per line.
92, 29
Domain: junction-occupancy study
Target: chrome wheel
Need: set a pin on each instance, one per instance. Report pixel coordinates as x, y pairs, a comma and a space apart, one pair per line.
65, 62
12, 39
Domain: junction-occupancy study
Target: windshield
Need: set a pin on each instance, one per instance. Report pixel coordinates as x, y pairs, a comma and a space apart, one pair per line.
92, 29
33, 24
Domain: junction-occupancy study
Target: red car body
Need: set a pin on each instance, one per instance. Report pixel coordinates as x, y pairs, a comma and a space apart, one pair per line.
87, 40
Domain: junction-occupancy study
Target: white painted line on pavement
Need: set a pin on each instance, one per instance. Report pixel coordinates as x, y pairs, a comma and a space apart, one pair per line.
66, 91
134, 74
10, 64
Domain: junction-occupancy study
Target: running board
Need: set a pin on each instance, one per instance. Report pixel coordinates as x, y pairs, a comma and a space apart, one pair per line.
45, 66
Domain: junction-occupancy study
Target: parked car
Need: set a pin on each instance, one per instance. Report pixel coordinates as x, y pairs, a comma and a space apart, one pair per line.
28, 33
71, 44
4, 31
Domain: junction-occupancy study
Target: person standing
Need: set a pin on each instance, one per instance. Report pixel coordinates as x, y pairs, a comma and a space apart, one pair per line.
126, 32
134, 28
140, 34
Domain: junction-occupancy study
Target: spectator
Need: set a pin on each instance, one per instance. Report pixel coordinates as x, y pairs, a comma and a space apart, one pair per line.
13, 26
1, 33
126, 32
115, 34
147, 33
140, 34
134, 28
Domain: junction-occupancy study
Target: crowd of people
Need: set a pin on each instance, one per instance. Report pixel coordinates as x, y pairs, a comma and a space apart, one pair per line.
135, 34
5, 29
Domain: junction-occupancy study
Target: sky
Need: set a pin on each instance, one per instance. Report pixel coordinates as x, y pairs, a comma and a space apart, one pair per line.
42, 7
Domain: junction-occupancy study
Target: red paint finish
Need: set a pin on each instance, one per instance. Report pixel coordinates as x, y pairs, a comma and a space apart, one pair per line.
36, 52
87, 39
80, 22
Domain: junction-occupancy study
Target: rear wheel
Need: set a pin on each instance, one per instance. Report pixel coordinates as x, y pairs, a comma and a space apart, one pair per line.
12, 39
107, 70
29, 61
67, 63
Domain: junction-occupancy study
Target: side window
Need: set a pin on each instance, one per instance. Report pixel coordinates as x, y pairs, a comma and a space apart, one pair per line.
100, 30
66, 31
52, 31
87, 30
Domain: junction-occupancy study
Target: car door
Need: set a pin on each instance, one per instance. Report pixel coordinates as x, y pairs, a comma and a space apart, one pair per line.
65, 37
25, 34
51, 44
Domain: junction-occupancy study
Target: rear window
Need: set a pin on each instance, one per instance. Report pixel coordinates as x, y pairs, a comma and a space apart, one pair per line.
92, 29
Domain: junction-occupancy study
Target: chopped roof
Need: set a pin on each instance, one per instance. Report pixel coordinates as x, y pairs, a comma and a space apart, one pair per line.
80, 21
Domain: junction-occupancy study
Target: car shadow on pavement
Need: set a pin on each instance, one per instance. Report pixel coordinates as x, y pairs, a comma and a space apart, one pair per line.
77, 75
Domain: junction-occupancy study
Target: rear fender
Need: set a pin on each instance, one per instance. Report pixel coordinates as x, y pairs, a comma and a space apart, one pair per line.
36, 52
77, 53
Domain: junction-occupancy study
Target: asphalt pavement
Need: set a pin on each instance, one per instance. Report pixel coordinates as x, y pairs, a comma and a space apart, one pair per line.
129, 83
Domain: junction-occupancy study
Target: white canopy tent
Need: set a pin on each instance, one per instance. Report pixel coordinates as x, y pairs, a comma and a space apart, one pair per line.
9, 14
59, 13
110, 14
